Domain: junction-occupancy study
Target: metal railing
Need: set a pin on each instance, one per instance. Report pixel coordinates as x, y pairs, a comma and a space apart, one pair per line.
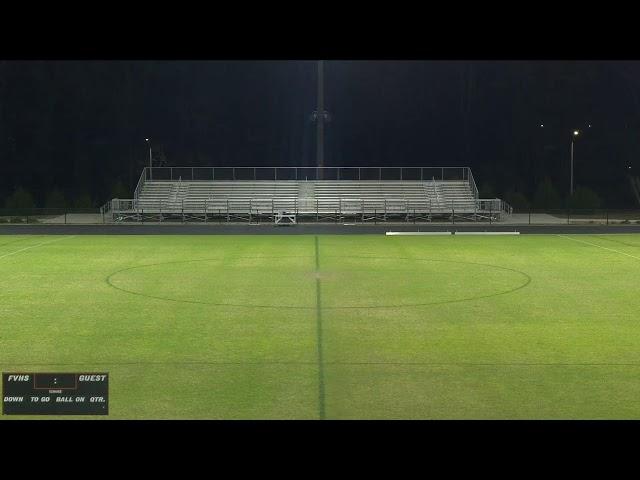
303, 173
472, 184
474, 210
140, 184
487, 210
494, 205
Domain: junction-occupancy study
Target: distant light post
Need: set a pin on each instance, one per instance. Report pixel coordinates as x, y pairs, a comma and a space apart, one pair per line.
573, 137
150, 159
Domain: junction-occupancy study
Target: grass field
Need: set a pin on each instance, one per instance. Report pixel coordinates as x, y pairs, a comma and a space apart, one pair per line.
335, 327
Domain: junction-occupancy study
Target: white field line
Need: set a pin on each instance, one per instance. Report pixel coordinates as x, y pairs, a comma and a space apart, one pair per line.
418, 233
599, 246
34, 246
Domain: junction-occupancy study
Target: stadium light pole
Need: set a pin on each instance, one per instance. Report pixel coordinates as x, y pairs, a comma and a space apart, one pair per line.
150, 159
573, 138
320, 124
321, 116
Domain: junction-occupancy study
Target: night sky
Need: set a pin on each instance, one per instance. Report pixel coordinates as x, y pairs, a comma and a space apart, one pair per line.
79, 126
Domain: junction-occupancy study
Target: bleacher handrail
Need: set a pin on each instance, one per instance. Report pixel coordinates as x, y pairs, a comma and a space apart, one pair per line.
140, 184
472, 184
167, 173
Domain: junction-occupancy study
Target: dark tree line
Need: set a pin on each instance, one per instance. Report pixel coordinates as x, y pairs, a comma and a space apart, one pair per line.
72, 132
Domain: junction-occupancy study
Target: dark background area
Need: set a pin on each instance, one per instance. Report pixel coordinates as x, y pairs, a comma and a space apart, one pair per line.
72, 132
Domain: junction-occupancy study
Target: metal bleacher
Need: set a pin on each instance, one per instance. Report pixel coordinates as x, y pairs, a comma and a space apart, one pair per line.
162, 197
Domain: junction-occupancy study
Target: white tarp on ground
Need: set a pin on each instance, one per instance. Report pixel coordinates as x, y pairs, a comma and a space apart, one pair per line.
487, 233
418, 233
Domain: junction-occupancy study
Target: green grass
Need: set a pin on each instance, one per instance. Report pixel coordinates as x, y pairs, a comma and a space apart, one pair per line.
336, 327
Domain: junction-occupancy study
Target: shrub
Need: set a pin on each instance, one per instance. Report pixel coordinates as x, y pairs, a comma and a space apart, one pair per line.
585, 198
55, 199
486, 191
547, 196
20, 199
120, 191
83, 201
517, 200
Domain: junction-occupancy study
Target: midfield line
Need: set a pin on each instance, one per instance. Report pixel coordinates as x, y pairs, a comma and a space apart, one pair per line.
321, 407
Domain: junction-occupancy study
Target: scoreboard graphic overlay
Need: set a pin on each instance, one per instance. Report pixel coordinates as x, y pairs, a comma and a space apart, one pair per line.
55, 394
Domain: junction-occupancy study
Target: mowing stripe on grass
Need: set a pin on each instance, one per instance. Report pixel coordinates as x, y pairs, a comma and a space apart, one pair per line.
599, 246
319, 335
34, 246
